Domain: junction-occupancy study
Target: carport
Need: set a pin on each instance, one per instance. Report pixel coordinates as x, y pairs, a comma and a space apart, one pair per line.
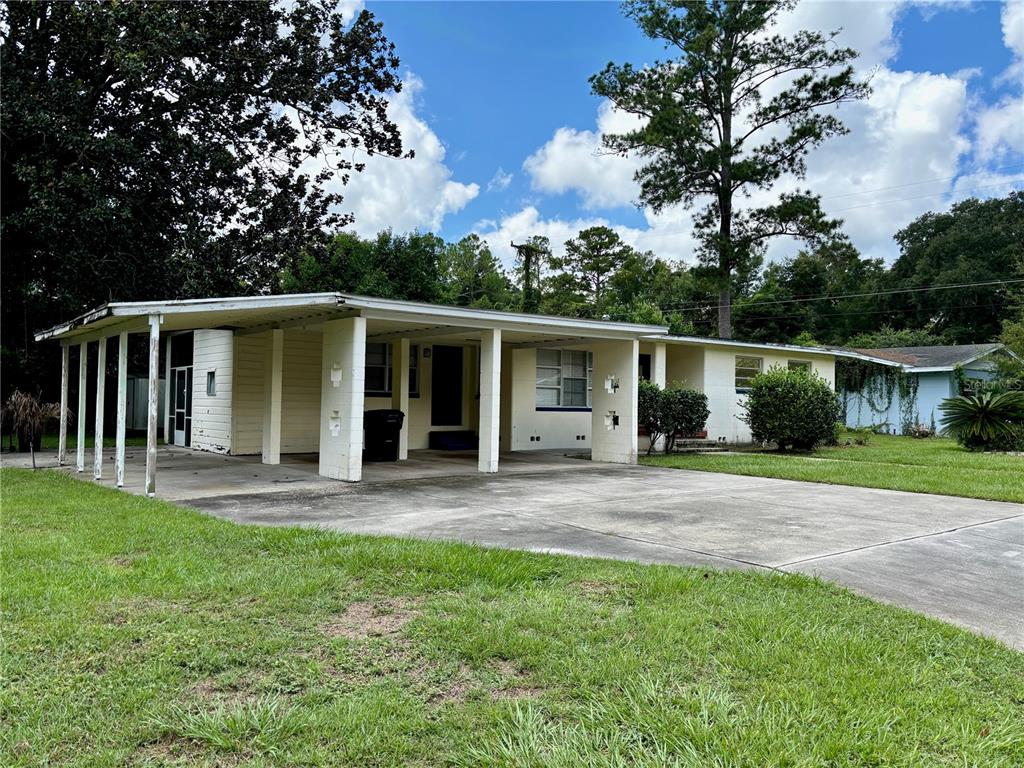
280, 375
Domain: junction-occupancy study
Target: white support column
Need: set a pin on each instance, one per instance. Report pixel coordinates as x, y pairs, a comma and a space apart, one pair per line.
490, 399
400, 391
83, 368
152, 404
341, 402
122, 407
614, 417
168, 389
101, 376
658, 376
62, 442
273, 379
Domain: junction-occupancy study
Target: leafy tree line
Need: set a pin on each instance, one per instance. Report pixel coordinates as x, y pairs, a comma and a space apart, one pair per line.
827, 295
160, 150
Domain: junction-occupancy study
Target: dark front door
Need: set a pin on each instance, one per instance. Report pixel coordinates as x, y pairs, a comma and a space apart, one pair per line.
446, 387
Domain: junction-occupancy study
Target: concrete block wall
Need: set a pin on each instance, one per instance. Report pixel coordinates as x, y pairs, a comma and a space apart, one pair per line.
614, 419
521, 420
726, 404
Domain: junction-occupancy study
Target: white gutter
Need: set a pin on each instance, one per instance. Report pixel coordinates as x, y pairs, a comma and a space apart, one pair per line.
394, 308
495, 316
698, 340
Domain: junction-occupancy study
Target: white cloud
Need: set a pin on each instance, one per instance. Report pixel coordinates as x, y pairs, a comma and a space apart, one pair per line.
866, 26
499, 181
406, 194
1001, 129
574, 160
910, 130
1013, 26
669, 236
986, 184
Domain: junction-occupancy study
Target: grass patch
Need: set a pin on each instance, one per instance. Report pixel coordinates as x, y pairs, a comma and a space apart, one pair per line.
934, 465
140, 633
52, 442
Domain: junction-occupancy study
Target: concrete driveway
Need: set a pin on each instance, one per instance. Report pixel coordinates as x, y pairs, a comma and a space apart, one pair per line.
957, 559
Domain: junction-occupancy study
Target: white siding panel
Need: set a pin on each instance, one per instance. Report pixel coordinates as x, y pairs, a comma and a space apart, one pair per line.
247, 403
300, 399
212, 350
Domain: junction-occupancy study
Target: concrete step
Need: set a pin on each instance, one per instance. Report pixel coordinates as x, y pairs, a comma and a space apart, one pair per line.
698, 444
702, 449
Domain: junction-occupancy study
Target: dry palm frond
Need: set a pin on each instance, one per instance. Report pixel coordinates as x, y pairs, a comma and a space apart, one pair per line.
29, 414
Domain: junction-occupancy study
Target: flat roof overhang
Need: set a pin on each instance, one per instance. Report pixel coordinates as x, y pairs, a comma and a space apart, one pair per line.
392, 318
698, 341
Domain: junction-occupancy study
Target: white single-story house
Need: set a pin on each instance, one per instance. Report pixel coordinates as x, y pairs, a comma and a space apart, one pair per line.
920, 379
294, 374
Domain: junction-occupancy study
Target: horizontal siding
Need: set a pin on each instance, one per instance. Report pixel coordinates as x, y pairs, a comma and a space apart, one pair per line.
213, 351
247, 401
300, 391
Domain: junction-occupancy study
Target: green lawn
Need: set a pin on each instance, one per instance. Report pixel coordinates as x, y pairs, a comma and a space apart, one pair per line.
49, 442
139, 633
935, 465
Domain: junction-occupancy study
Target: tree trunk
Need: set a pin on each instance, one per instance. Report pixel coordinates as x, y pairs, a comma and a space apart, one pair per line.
725, 313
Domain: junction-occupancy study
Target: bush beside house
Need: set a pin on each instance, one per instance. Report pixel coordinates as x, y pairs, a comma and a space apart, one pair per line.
792, 408
670, 412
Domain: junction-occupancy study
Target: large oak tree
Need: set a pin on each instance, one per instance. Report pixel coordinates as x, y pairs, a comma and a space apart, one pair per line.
733, 110
164, 150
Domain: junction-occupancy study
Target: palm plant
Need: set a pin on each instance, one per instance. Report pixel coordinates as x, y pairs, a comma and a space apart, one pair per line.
28, 415
981, 419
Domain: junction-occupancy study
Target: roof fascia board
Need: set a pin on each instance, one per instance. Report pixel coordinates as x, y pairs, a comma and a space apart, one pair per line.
182, 306
63, 329
368, 306
697, 341
393, 309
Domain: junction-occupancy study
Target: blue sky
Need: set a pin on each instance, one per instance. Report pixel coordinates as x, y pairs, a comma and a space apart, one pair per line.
499, 111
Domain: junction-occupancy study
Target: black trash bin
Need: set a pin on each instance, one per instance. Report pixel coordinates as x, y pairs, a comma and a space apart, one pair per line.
382, 428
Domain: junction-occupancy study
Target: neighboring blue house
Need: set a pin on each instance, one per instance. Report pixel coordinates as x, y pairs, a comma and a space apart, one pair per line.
913, 381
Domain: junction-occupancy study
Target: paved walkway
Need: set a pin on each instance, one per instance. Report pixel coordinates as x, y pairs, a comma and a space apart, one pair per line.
961, 560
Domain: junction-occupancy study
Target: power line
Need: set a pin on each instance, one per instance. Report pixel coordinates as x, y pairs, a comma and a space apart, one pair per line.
867, 294
926, 197
766, 318
760, 318
916, 183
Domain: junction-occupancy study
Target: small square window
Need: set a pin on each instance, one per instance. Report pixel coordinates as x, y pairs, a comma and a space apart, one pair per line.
211, 383
800, 365
746, 369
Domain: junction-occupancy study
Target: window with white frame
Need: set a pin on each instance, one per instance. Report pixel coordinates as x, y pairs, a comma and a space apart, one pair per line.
378, 369
564, 378
799, 365
746, 369
211, 383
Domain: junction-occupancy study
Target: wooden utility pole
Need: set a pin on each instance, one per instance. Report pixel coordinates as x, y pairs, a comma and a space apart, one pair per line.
529, 257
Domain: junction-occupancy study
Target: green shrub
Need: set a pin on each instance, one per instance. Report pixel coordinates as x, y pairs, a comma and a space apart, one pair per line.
685, 412
792, 408
650, 411
984, 421
662, 413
